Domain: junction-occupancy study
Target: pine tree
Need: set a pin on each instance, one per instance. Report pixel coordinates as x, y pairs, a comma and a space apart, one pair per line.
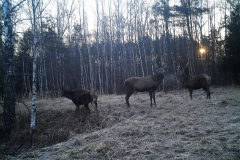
231, 60
9, 80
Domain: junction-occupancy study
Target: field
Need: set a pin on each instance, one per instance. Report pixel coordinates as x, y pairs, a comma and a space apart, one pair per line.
177, 128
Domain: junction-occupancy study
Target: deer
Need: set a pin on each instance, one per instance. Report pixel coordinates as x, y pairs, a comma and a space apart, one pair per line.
141, 84
81, 97
194, 82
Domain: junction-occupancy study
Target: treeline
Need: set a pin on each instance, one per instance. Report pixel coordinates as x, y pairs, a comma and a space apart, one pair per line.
124, 46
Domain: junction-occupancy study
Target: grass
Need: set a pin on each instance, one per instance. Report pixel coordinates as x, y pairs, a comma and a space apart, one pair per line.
177, 128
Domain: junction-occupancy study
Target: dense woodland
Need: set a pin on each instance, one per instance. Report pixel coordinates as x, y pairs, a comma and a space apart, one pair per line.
61, 48
129, 42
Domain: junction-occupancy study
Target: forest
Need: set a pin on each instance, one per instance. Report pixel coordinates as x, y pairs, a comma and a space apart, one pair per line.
47, 45
128, 39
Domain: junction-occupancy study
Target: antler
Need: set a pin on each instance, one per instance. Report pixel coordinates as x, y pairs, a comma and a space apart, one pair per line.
185, 65
178, 67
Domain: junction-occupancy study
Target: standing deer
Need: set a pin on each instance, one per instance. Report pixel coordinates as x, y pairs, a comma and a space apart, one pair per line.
80, 97
194, 82
142, 84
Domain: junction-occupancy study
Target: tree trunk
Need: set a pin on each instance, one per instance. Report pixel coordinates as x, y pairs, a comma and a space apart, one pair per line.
33, 111
9, 80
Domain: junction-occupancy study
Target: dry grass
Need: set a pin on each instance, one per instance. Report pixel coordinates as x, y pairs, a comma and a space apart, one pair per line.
177, 128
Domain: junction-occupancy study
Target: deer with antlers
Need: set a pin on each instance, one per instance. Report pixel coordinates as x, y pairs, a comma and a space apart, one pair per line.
141, 84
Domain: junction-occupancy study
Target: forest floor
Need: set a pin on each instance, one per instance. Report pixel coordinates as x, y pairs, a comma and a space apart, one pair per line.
177, 128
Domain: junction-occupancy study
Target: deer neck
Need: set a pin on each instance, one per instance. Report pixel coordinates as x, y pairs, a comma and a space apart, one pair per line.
184, 78
69, 94
158, 77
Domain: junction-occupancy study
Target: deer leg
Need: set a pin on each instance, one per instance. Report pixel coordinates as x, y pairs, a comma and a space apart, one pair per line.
208, 92
85, 100
191, 90
87, 112
87, 107
150, 94
77, 109
153, 95
206, 89
94, 104
127, 97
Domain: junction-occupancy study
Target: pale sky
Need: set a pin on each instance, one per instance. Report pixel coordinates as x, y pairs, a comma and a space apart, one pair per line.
90, 9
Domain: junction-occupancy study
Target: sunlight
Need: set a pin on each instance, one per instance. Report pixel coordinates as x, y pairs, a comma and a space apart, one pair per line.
202, 51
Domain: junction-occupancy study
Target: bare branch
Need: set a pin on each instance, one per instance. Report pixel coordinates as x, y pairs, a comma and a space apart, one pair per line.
24, 105
13, 8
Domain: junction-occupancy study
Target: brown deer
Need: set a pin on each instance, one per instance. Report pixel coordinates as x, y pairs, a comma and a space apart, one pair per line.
194, 82
80, 97
141, 84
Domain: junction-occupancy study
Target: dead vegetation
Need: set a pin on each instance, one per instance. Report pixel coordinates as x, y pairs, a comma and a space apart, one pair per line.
177, 128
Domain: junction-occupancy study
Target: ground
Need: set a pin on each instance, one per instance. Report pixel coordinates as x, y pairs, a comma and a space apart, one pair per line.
177, 128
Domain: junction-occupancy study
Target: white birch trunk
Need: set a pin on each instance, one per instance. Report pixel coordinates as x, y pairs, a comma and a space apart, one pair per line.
42, 59
33, 111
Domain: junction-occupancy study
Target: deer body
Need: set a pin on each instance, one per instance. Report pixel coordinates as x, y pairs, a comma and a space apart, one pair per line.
195, 82
142, 84
81, 97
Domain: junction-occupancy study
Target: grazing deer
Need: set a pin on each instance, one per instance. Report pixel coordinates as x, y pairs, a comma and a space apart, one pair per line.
194, 82
142, 84
80, 97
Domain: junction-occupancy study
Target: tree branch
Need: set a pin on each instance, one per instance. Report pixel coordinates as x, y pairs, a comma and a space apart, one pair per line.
13, 8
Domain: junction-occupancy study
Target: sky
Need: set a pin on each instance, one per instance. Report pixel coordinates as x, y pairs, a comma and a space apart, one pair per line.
90, 9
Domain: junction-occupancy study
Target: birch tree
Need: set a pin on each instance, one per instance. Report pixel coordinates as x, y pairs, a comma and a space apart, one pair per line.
34, 89
9, 80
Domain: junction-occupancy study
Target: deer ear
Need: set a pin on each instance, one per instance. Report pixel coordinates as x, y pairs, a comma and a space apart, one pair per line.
186, 66
164, 65
156, 66
161, 70
178, 67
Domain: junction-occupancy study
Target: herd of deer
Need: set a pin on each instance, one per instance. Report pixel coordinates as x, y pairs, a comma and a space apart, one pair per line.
142, 84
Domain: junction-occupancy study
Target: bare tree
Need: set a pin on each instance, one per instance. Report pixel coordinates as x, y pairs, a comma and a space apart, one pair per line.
111, 38
64, 16
9, 116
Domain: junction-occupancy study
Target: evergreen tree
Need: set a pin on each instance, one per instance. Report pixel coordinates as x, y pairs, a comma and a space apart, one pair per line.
9, 115
1, 50
231, 60
24, 65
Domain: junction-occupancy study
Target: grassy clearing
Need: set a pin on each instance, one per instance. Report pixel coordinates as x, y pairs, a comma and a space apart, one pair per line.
177, 128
